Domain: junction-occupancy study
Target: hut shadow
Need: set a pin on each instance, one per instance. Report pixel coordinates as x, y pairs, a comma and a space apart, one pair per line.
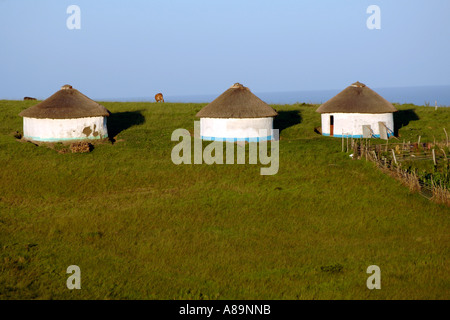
119, 121
286, 119
402, 119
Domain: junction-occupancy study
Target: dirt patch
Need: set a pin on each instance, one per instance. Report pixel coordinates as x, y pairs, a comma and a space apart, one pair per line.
63, 147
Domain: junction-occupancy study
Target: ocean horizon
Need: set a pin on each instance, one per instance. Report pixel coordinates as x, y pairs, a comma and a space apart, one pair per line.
420, 95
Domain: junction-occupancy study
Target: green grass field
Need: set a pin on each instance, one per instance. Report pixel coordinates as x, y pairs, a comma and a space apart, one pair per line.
140, 227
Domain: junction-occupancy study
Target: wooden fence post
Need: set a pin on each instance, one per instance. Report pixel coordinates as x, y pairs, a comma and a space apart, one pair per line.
393, 155
445, 155
375, 156
446, 136
347, 143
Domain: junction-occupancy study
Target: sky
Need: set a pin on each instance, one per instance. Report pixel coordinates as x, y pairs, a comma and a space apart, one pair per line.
137, 48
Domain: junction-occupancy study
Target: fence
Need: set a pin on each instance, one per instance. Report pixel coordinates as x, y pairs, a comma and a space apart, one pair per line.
389, 157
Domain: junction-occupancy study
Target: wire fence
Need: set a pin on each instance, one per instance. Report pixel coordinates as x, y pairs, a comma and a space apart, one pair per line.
397, 159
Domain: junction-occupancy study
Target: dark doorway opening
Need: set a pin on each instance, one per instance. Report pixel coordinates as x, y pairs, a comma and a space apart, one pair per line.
331, 125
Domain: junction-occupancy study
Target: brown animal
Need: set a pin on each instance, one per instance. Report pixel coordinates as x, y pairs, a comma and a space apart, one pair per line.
159, 97
29, 98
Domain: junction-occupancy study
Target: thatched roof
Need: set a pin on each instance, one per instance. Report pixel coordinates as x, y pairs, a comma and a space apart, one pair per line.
67, 103
237, 102
357, 98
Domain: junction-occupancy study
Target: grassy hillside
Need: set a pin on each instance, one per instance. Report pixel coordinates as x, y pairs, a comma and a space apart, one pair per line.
140, 227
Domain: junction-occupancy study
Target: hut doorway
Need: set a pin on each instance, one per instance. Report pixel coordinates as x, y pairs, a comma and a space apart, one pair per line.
331, 125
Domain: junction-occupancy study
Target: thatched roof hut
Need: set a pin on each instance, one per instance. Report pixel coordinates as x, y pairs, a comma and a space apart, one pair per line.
357, 111
237, 102
236, 114
357, 98
67, 103
66, 115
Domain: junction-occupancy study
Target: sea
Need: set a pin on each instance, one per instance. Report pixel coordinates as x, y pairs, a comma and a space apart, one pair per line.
421, 96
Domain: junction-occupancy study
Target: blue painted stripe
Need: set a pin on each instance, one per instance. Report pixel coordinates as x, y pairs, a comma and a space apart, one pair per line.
255, 139
353, 136
64, 139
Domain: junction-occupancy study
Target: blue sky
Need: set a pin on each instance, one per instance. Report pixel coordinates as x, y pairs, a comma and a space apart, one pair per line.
136, 48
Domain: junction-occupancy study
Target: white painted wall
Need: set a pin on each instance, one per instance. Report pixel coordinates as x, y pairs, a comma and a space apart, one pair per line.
351, 123
235, 128
64, 129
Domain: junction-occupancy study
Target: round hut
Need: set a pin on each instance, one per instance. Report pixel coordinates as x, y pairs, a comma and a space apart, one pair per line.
357, 112
237, 114
66, 115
